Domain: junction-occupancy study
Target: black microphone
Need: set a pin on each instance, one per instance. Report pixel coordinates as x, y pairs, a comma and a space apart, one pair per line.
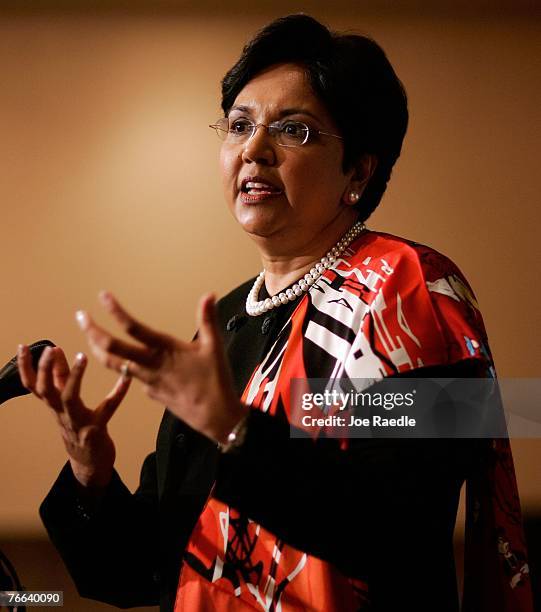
10, 379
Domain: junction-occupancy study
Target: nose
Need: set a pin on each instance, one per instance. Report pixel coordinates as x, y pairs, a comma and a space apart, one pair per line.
259, 148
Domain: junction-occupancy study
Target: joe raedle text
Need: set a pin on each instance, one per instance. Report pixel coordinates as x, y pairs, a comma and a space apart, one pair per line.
351, 420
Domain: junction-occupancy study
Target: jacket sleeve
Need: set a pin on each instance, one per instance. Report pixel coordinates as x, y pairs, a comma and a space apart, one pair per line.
109, 545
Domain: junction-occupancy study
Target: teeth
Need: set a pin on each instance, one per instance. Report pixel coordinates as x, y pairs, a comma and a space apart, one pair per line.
253, 185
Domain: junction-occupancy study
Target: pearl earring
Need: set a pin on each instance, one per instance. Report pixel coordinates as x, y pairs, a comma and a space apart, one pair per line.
353, 197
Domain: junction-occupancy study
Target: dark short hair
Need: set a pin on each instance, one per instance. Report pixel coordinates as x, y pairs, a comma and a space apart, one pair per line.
353, 78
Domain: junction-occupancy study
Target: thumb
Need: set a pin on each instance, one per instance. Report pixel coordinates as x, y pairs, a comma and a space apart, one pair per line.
207, 322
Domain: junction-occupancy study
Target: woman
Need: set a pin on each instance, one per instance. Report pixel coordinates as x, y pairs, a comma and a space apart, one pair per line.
233, 513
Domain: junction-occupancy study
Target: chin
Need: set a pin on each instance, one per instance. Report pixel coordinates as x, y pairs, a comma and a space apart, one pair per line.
257, 221
257, 230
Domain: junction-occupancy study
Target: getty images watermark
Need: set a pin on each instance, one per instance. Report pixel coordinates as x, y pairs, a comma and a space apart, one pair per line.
416, 407
341, 409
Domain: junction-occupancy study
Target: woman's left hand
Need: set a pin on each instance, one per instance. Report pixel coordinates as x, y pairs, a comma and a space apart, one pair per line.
191, 378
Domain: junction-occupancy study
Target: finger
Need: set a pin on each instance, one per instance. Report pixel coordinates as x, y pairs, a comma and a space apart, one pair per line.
44, 381
206, 320
109, 345
108, 407
61, 368
112, 362
71, 394
132, 326
24, 365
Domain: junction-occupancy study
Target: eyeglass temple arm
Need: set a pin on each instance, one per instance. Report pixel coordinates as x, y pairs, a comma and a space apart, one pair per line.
329, 134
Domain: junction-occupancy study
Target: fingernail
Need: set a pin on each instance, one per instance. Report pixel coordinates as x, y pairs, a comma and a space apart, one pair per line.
105, 297
46, 353
82, 318
80, 357
20, 349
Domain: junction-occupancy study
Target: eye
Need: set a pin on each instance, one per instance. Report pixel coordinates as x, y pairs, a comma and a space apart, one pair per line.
240, 127
294, 131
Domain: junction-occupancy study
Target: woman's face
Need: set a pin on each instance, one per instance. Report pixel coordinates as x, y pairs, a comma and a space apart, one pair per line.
306, 184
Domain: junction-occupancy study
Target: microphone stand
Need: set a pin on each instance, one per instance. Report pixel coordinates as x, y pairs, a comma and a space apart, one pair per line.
9, 581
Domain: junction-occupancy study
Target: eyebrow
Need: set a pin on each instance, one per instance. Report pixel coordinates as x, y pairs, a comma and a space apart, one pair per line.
283, 113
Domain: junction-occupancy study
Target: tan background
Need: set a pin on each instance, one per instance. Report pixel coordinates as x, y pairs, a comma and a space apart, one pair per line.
109, 179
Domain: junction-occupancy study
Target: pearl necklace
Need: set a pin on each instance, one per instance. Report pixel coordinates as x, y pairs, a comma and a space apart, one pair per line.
255, 307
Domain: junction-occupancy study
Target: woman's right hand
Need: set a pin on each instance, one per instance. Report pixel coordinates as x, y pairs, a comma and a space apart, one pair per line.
84, 431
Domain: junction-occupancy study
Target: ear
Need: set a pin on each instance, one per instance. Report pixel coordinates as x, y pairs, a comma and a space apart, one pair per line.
360, 175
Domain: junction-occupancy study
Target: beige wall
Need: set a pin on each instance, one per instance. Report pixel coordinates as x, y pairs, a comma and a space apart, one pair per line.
108, 179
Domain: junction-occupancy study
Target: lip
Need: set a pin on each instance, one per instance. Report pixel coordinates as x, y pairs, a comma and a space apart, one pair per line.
253, 198
247, 198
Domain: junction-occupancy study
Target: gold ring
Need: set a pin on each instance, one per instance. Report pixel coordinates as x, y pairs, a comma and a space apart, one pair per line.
125, 369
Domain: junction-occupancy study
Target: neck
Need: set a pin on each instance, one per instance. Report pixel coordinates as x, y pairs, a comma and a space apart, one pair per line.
286, 261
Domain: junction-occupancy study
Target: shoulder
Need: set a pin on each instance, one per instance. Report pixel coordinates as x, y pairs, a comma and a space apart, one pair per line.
418, 295
408, 263
405, 252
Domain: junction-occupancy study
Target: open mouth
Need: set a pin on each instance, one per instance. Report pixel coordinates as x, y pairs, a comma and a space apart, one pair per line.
254, 186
